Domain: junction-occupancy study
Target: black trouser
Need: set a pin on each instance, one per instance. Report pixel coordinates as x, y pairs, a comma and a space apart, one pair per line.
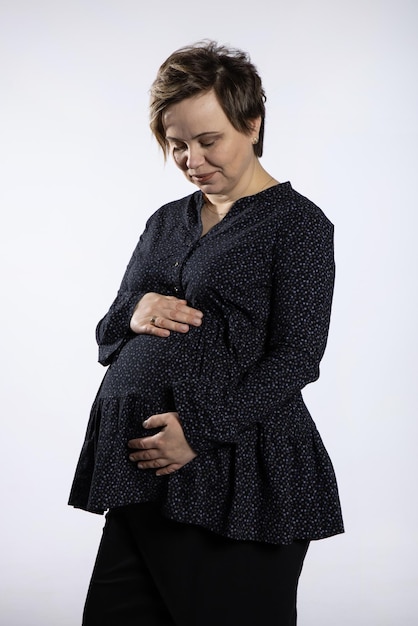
151, 571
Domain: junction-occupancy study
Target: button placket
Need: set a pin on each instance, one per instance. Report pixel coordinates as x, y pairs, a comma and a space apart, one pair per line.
179, 264
176, 286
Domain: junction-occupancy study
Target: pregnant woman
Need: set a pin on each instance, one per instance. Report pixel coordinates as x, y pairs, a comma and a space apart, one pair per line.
199, 446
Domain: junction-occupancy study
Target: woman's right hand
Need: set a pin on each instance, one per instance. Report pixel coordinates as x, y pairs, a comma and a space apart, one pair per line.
159, 315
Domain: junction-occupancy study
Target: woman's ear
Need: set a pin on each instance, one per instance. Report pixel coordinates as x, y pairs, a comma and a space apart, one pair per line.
255, 125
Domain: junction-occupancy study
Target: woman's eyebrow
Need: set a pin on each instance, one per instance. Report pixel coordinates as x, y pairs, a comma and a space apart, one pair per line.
208, 132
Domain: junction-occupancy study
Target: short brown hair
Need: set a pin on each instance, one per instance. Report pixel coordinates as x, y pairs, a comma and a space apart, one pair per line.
204, 66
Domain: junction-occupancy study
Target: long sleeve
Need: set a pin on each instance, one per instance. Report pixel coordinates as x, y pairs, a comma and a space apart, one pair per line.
113, 330
303, 278
149, 269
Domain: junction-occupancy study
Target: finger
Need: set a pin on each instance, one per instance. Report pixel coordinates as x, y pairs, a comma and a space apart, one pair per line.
145, 455
147, 327
153, 464
144, 443
178, 311
176, 300
154, 326
187, 315
168, 469
166, 324
159, 420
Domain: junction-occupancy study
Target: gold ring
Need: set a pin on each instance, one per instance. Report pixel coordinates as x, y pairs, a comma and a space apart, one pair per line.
153, 318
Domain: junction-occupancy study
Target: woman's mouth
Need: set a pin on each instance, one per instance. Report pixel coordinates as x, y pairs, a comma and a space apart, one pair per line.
201, 179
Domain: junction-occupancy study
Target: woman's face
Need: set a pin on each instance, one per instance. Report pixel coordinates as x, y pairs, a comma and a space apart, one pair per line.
211, 153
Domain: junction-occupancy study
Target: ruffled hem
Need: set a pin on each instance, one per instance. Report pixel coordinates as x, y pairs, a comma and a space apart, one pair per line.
258, 490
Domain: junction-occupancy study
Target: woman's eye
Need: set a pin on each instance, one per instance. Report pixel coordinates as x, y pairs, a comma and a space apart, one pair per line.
207, 144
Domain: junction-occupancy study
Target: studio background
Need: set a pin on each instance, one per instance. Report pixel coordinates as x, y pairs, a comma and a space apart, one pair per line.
80, 174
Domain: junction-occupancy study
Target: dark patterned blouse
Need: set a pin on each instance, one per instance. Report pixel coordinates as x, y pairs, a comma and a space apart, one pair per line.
263, 277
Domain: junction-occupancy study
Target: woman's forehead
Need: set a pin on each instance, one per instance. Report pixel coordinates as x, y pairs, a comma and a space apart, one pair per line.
199, 114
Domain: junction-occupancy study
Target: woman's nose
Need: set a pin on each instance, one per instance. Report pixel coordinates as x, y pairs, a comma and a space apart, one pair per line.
194, 158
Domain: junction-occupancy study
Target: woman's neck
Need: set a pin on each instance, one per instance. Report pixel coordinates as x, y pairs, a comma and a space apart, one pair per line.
221, 204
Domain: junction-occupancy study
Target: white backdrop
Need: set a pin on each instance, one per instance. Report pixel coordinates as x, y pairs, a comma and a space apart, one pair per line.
80, 174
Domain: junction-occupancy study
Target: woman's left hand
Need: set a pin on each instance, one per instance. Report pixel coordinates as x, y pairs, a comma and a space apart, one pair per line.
167, 451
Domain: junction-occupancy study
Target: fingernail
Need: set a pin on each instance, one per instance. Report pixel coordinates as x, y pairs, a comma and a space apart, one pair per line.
144, 423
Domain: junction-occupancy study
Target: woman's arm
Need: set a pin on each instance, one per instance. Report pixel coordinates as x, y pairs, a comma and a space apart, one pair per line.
114, 330
141, 312
298, 329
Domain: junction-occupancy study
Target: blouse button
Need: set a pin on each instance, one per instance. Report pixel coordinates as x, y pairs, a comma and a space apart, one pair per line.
176, 289
176, 264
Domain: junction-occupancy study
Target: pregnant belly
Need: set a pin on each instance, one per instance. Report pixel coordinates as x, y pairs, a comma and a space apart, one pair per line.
140, 382
146, 366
